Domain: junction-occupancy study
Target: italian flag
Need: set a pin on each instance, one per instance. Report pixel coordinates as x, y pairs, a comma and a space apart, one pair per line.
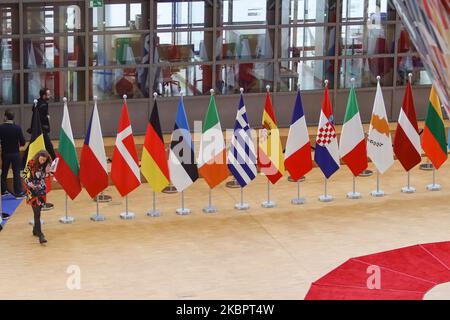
67, 168
433, 140
212, 162
352, 144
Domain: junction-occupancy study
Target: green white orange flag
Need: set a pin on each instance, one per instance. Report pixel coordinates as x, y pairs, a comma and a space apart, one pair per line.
433, 139
212, 164
270, 150
352, 145
67, 169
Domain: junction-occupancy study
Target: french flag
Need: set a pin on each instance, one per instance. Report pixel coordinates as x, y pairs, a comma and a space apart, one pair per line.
297, 158
93, 166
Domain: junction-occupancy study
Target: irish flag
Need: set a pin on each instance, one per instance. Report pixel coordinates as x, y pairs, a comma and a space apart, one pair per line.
352, 144
212, 163
66, 172
433, 140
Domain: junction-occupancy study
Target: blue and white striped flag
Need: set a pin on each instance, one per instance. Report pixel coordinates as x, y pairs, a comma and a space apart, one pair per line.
242, 155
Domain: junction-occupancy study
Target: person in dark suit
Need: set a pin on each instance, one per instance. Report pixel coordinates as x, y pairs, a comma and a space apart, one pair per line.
11, 138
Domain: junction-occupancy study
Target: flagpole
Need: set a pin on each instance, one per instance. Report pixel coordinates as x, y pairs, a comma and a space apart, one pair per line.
66, 219
154, 213
408, 188
298, 200
326, 197
242, 205
127, 215
97, 217
434, 186
183, 211
210, 208
378, 193
268, 204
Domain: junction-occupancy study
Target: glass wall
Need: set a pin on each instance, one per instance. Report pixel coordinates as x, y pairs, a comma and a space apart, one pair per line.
137, 47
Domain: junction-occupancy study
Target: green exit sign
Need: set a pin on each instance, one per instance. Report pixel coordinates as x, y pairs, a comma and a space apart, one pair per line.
96, 3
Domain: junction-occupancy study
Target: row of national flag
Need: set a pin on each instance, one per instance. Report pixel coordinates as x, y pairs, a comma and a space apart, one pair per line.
242, 160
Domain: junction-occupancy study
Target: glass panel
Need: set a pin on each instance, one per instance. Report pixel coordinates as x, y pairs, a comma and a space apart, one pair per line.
118, 49
191, 80
404, 41
308, 11
365, 72
9, 88
184, 14
253, 77
411, 64
68, 84
120, 15
184, 46
54, 17
114, 83
244, 12
245, 44
372, 10
54, 52
9, 54
367, 39
311, 74
9, 19
307, 42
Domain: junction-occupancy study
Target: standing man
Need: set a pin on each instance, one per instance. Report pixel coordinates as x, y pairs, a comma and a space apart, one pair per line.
11, 137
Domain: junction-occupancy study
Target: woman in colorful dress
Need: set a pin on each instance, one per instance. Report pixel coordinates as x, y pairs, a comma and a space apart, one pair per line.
34, 176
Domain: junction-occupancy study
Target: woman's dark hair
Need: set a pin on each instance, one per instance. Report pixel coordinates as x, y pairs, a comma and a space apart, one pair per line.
43, 92
42, 153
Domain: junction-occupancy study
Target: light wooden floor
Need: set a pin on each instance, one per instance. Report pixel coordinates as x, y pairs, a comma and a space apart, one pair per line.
258, 254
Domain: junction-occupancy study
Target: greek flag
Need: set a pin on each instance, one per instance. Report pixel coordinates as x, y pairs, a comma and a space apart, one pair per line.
242, 155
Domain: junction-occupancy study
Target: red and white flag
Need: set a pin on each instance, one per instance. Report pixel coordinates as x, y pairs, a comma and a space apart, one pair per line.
407, 146
125, 171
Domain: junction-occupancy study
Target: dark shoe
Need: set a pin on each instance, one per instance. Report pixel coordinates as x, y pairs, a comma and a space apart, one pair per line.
35, 233
20, 195
42, 239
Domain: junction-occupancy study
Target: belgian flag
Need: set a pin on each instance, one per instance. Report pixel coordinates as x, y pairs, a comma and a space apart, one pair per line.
37, 138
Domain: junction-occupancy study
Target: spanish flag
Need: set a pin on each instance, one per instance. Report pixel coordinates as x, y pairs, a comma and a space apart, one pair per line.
37, 139
154, 166
270, 151
434, 141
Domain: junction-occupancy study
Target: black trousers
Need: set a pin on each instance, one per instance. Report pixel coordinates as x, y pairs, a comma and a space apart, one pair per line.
37, 220
13, 160
49, 146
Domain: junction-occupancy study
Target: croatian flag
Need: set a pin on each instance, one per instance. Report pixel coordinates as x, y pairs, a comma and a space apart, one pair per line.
297, 158
327, 150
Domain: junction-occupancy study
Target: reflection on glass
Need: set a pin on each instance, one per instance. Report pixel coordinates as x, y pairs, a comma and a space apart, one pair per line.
365, 72
68, 84
411, 64
404, 41
9, 21
190, 80
54, 52
184, 14
54, 17
310, 73
368, 10
307, 11
307, 42
9, 54
184, 46
367, 39
9, 88
253, 77
120, 15
245, 44
118, 49
244, 12
110, 84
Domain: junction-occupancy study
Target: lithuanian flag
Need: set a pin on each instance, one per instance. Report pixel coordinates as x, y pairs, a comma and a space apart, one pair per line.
434, 141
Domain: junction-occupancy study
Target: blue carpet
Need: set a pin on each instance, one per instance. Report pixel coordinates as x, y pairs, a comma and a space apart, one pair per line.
9, 205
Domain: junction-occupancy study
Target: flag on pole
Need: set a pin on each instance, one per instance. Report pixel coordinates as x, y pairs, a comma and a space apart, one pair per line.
270, 149
298, 160
37, 138
93, 165
242, 156
154, 164
182, 167
67, 169
353, 144
433, 140
125, 171
212, 163
407, 140
327, 150
379, 142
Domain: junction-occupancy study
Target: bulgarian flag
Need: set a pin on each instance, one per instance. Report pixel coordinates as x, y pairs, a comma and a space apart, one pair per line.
433, 140
67, 169
352, 144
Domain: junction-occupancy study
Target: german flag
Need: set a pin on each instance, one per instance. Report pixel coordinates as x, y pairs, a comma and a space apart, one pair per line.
434, 141
37, 139
154, 166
